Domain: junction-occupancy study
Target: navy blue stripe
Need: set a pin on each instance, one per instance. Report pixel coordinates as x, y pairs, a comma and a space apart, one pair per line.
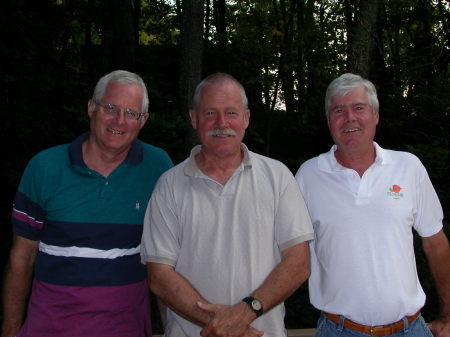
103, 236
25, 230
76, 271
24, 204
136, 153
75, 150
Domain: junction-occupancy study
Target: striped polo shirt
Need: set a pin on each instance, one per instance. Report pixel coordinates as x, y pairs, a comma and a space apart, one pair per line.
88, 275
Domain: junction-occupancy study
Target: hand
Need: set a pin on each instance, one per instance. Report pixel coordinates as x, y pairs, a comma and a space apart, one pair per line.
440, 327
9, 332
229, 321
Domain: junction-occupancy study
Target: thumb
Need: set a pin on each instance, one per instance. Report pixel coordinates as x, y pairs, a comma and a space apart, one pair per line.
207, 307
430, 326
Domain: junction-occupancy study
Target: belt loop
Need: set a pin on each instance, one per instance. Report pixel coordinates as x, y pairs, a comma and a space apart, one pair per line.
405, 324
341, 323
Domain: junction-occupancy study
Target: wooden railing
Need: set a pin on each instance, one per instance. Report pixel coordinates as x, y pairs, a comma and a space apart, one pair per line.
301, 332
291, 333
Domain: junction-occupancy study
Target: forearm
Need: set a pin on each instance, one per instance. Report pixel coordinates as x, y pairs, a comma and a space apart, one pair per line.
176, 293
283, 280
286, 277
16, 286
162, 312
437, 250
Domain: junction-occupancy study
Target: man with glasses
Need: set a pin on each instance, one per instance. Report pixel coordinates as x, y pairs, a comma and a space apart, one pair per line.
77, 219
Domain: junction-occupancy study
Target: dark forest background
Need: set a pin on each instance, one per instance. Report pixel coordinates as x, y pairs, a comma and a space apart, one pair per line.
284, 52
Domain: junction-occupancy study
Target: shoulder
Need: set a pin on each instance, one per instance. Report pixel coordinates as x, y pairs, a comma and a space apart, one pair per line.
267, 163
156, 157
402, 159
172, 177
309, 166
48, 157
154, 151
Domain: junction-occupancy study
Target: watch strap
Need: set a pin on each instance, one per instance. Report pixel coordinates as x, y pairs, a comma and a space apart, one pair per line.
254, 304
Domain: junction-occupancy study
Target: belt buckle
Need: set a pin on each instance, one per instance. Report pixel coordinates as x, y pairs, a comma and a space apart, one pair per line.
373, 328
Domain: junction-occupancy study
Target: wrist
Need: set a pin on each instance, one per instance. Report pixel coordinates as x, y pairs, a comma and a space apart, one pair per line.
254, 304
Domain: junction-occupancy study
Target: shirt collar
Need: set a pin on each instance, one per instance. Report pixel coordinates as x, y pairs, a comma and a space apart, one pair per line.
191, 168
327, 161
134, 156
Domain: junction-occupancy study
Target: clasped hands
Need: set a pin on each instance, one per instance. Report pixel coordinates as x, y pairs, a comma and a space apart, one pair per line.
229, 320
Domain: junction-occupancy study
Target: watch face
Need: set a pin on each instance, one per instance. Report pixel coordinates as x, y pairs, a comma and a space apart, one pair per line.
256, 305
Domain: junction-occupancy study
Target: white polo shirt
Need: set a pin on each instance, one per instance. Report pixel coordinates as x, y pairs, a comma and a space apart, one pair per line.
363, 264
225, 239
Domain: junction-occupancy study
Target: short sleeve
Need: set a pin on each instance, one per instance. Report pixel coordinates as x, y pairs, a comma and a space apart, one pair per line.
160, 241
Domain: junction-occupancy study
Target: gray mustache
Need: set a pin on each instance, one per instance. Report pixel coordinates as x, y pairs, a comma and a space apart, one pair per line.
221, 132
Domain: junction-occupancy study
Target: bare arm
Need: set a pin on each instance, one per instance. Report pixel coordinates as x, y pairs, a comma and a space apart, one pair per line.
162, 312
17, 284
437, 250
284, 279
176, 292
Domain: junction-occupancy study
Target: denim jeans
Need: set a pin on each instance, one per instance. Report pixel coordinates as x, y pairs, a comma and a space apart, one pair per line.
327, 328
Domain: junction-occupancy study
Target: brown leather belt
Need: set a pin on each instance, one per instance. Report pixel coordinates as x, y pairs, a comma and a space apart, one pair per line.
379, 330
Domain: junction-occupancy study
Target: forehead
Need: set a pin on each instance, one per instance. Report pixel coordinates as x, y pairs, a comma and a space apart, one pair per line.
220, 95
354, 96
120, 89
125, 94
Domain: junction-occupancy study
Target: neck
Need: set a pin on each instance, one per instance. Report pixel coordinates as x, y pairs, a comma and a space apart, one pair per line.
217, 168
358, 161
104, 162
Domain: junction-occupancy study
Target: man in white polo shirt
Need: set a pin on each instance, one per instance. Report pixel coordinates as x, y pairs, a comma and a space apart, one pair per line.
364, 202
226, 231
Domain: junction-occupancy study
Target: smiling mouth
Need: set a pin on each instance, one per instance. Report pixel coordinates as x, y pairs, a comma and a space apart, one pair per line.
115, 132
351, 130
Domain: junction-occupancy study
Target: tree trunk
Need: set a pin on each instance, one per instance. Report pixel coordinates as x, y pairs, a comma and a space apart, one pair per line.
191, 57
118, 41
363, 37
221, 27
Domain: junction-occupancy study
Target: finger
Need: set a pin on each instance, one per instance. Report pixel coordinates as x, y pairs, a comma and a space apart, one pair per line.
256, 332
207, 331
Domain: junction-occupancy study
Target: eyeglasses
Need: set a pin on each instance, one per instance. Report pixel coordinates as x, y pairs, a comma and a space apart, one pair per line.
114, 111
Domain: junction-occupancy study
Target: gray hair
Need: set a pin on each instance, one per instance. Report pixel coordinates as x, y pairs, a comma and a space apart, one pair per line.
348, 82
218, 79
122, 77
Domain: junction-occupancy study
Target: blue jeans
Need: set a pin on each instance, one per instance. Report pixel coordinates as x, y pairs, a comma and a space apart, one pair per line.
327, 328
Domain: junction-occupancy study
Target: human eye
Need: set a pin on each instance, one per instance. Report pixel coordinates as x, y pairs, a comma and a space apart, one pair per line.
232, 113
131, 114
110, 108
209, 113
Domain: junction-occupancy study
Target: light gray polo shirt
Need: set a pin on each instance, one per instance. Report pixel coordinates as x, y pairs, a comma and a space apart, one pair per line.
225, 239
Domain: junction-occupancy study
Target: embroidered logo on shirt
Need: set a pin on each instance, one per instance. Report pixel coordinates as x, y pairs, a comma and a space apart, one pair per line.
138, 206
394, 191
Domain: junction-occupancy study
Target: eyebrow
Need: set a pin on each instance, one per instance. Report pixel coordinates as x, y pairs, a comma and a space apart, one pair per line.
351, 104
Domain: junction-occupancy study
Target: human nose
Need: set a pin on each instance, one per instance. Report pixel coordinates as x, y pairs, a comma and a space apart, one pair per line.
120, 116
349, 114
221, 121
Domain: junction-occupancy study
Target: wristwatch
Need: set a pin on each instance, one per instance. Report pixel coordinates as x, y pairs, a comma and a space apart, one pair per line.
255, 305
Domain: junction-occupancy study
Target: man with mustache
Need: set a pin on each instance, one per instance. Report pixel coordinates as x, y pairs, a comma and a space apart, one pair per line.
226, 231
364, 202
77, 221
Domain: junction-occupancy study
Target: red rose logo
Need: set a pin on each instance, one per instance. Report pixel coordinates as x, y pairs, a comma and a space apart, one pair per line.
396, 188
